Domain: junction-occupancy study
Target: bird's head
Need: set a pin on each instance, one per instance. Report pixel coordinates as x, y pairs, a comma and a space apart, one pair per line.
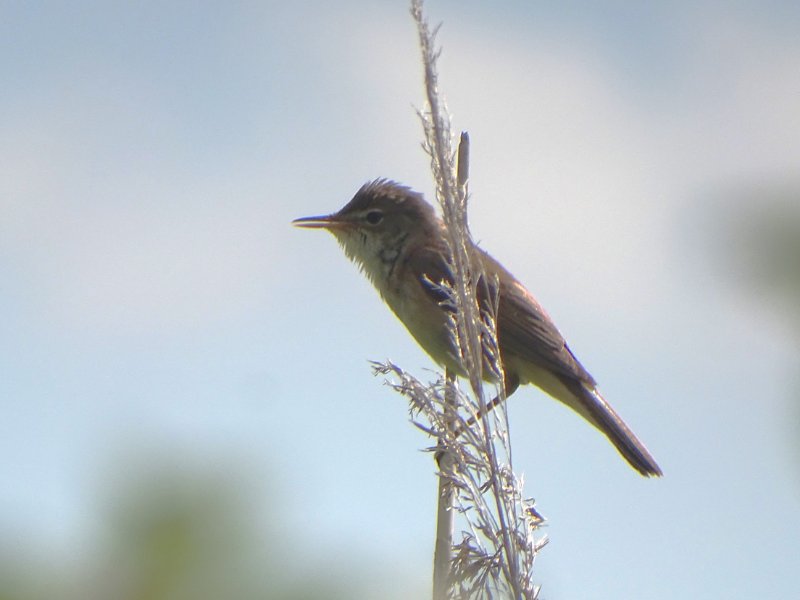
377, 225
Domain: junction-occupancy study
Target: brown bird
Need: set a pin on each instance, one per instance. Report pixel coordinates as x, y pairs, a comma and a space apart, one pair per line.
398, 241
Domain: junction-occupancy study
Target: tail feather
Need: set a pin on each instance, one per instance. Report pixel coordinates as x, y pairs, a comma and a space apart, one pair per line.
599, 412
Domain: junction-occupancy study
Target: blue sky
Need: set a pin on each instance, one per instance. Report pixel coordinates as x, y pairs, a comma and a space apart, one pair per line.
158, 304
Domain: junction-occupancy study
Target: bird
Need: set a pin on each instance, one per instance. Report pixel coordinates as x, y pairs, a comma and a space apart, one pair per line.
398, 241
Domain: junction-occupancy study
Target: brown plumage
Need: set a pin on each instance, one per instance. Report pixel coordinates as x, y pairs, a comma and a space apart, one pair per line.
397, 240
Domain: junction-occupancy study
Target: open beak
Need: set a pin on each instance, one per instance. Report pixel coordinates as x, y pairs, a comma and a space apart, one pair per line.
323, 222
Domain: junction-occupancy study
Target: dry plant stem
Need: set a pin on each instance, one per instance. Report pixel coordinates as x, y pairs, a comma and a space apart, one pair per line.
462, 164
462, 168
454, 208
445, 516
470, 464
453, 201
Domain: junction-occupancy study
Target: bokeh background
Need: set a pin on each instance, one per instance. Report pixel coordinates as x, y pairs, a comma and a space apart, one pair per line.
186, 406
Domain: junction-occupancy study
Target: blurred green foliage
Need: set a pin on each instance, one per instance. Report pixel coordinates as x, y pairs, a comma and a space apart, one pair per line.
766, 246
177, 533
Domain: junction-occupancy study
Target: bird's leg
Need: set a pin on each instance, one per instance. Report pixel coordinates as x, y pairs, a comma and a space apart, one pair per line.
511, 383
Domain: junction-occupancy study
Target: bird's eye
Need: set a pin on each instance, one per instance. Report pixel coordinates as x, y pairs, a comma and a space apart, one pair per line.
374, 217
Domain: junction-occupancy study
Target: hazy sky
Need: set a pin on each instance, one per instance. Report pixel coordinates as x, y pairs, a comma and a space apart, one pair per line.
157, 303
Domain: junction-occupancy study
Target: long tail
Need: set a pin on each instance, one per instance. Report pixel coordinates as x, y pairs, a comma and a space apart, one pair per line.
596, 410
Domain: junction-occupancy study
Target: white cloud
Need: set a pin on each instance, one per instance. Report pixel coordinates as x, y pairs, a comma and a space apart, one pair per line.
110, 242
579, 175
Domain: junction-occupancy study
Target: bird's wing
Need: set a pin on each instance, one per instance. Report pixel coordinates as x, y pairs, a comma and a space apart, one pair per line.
433, 273
527, 332
524, 328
